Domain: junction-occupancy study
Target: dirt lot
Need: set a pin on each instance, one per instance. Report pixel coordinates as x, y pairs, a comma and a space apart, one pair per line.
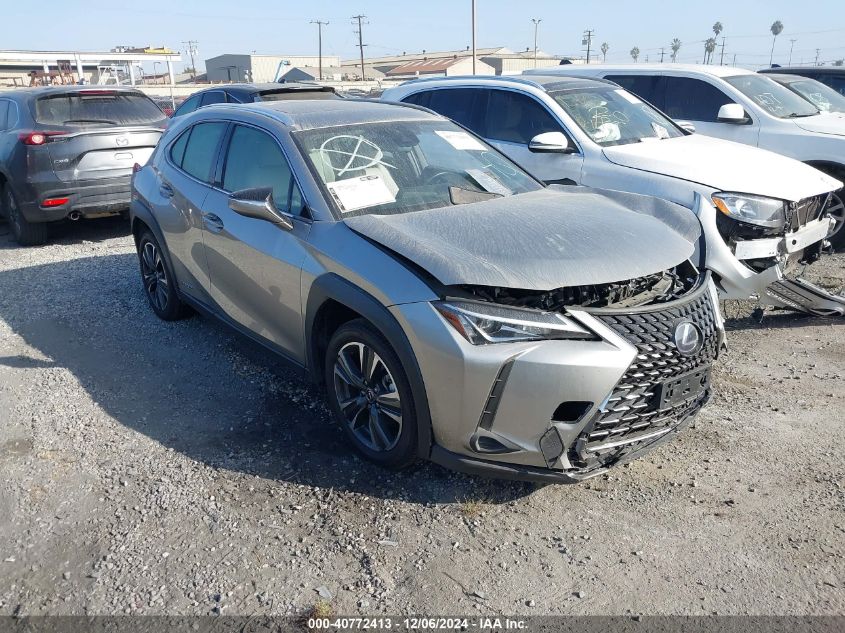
174, 468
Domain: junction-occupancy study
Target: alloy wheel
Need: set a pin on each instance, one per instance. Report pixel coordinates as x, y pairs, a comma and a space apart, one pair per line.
367, 397
837, 211
155, 276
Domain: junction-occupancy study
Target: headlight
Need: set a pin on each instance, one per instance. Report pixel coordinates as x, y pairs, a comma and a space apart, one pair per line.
768, 212
482, 323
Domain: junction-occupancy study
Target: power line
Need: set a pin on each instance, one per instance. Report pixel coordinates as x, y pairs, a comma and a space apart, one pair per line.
588, 40
361, 44
191, 49
320, 24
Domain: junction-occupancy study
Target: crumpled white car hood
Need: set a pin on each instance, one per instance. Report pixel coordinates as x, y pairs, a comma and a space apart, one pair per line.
726, 166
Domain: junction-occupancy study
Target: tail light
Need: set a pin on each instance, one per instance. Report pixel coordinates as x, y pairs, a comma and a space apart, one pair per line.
38, 138
54, 202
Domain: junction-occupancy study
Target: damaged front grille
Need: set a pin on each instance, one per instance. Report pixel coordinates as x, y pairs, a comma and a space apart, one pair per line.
806, 211
662, 287
637, 412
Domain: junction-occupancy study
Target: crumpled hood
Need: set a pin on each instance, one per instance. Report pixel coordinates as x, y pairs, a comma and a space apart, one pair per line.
726, 166
547, 239
825, 123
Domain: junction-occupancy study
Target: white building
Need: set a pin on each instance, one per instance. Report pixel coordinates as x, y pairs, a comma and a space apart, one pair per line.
264, 68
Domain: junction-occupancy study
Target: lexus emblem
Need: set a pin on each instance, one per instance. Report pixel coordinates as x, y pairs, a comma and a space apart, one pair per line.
688, 338
122, 141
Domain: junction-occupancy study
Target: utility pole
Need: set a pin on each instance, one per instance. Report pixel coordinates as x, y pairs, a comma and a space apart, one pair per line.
791, 46
320, 26
536, 22
818, 50
662, 50
588, 40
191, 49
722, 56
361, 44
473, 37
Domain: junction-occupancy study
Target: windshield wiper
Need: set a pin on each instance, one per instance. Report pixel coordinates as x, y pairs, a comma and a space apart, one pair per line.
459, 195
110, 122
798, 115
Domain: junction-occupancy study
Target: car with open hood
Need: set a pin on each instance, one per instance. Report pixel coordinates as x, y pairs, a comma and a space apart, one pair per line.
454, 307
764, 215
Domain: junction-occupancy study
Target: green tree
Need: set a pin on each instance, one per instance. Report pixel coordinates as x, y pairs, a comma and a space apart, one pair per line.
709, 47
635, 53
776, 29
676, 46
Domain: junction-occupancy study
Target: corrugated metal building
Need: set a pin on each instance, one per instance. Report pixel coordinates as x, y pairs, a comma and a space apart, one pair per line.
440, 67
261, 68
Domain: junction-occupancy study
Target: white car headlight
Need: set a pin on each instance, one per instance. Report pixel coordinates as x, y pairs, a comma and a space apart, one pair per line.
768, 212
482, 324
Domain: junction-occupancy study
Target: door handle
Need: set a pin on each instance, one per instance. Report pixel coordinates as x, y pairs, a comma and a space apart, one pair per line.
213, 222
165, 190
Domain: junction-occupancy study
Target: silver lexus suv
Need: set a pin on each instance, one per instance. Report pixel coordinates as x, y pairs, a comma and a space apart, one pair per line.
454, 307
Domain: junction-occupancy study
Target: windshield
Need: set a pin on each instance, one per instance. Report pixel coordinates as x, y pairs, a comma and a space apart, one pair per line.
97, 107
613, 116
403, 166
823, 97
772, 97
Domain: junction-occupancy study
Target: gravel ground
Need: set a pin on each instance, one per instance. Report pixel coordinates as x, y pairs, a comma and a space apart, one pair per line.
159, 468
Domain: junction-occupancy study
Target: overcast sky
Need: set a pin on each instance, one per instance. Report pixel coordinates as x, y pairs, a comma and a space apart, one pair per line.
394, 26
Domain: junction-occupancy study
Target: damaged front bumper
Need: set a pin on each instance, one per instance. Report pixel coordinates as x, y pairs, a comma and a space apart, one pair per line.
760, 268
564, 411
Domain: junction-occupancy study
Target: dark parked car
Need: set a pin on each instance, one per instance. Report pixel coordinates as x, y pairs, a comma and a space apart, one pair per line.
250, 93
828, 75
68, 152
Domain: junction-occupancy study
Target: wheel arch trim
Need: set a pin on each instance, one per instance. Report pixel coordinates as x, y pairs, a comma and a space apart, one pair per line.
330, 287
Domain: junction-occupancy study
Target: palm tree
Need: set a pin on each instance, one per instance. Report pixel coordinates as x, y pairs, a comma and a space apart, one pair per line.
604, 48
709, 47
718, 28
676, 46
635, 53
776, 28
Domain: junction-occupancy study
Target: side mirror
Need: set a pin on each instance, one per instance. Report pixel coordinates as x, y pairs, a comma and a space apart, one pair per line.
732, 113
258, 203
687, 126
550, 142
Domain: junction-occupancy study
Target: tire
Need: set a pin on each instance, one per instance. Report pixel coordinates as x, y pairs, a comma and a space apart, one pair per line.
367, 409
158, 280
26, 233
837, 209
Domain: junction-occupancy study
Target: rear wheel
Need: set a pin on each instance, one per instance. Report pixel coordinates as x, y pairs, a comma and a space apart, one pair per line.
158, 279
26, 233
370, 395
837, 211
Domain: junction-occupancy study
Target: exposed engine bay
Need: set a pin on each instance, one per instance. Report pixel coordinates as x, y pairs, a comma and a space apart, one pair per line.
657, 288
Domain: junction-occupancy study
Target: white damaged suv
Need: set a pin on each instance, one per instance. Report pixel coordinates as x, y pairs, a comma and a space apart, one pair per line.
764, 215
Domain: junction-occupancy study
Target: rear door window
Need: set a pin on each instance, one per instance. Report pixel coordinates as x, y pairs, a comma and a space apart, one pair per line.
188, 106
693, 99
459, 104
201, 149
97, 107
255, 160
516, 118
215, 96
419, 98
646, 87
4, 114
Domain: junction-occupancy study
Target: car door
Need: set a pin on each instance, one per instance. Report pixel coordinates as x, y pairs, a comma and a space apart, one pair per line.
184, 177
698, 101
254, 265
511, 119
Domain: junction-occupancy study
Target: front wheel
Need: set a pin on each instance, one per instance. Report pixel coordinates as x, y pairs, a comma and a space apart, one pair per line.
159, 281
26, 233
370, 395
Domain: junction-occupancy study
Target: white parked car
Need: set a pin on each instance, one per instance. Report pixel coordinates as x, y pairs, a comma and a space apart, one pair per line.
762, 213
736, 105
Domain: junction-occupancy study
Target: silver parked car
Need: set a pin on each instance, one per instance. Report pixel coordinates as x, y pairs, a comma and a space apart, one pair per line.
455, 308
